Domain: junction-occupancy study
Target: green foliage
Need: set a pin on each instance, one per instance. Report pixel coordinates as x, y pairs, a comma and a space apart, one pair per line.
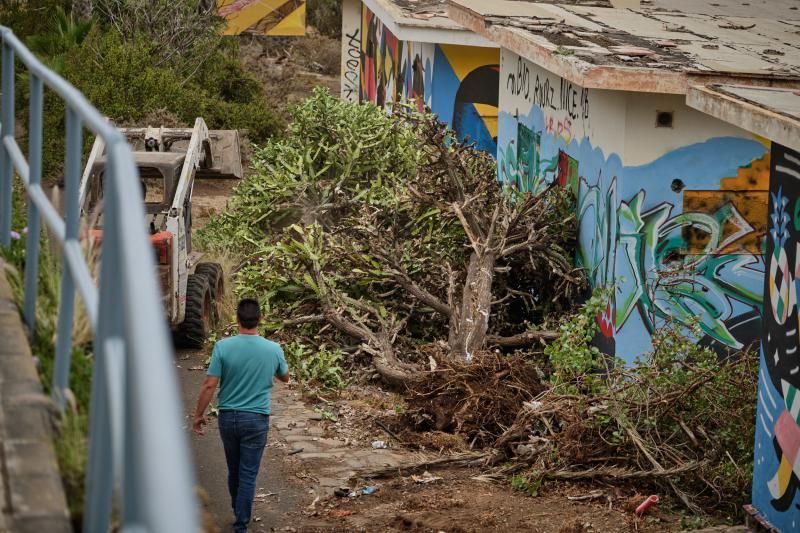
127, 75
321, 367
530, 484
54, 44
575, 360
72, 452
326, 16
29, 17
335, 158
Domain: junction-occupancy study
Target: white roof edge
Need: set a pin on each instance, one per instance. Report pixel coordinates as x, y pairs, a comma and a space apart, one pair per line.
774, 126
405, 30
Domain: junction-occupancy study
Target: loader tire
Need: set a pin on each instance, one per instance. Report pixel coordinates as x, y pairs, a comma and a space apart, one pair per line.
199, 317
216, 282
216, 279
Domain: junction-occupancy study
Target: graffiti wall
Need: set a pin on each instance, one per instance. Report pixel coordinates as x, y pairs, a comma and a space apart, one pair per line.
776, 475
265, 17
458, 83
351, 50
673, 218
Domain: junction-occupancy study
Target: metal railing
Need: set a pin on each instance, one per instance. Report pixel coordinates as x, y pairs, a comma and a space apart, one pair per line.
138, 450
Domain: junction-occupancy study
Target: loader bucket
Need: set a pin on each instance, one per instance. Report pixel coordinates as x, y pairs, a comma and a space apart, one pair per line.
225, 154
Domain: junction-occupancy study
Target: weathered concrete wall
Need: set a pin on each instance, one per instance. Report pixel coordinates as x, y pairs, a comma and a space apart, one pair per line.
31, 493
688, 196
776, 476
458, 83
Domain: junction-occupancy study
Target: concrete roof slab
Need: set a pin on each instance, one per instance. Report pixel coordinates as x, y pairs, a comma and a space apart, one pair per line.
766, 111
713, 43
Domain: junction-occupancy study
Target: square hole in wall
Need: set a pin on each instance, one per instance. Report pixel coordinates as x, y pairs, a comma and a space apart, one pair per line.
664, 119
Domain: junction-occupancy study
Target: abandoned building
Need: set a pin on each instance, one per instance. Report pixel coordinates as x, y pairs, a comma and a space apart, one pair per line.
677, 125
409, 51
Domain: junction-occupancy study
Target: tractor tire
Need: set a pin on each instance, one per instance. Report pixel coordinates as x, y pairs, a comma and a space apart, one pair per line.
199, 317
216, 282
216, 279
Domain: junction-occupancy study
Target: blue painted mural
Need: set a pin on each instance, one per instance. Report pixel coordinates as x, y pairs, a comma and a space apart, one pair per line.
776, 475
678, 237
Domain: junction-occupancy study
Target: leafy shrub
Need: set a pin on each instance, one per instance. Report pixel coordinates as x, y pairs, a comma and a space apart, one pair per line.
321, 367
29, 17
326, 16
127, 78
576, 362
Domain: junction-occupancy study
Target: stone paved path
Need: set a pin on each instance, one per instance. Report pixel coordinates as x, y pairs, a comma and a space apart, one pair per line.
330, 461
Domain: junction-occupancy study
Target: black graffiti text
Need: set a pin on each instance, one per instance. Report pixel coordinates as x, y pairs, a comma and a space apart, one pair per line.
519, 82
547, 94
544, 93
351, 81
574, 100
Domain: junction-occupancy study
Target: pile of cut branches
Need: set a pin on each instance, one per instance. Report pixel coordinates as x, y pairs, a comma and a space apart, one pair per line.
678, 421
479, 399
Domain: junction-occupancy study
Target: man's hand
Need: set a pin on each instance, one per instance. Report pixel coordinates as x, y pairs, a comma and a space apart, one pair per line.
206, 393
197, 425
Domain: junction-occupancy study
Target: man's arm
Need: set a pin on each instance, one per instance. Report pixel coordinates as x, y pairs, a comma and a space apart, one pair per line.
282, 372
206, 394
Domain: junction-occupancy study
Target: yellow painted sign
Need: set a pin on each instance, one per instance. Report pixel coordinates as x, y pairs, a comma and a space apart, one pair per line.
265, 17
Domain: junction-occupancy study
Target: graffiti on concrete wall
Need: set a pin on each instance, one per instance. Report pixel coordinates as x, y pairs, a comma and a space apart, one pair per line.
679, 237
351, 50
457, 83
264, 17
380, 54
464, 87
776, 476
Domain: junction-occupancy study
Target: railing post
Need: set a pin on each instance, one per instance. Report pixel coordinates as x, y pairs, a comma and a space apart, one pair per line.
102, 465
66, 312
35, 179
7, 129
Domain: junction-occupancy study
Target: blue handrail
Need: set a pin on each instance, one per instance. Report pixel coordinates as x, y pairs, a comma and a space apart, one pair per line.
138, 449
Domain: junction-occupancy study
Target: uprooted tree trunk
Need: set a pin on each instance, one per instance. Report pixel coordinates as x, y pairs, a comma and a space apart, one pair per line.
469, 321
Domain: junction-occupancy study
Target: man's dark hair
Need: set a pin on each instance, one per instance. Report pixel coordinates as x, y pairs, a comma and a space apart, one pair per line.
248, 312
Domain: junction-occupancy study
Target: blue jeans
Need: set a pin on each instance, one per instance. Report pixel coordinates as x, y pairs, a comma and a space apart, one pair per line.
244, 436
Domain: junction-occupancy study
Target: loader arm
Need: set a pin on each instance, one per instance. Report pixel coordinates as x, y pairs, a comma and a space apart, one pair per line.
197, 156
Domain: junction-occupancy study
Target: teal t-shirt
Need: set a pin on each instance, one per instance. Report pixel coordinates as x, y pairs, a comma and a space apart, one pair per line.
246, 365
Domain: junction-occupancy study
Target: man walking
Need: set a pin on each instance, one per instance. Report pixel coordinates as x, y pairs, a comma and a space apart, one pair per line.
244, 367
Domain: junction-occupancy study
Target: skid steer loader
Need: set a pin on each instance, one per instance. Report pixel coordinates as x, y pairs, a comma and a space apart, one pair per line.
169, 160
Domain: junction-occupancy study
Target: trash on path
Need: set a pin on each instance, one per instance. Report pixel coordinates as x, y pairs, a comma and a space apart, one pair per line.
647, 504
295, 452
379, 445
314, 503
199, 367
426, 478
341, 513
257, 519
344, 492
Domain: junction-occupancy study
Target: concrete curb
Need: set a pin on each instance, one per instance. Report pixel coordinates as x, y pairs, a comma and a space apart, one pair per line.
31, 493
